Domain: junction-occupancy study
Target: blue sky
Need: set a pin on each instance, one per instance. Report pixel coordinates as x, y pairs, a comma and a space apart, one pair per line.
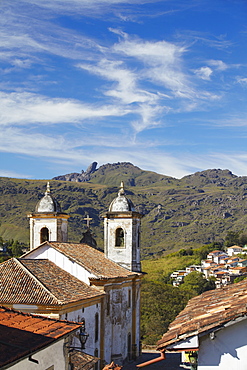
160, 84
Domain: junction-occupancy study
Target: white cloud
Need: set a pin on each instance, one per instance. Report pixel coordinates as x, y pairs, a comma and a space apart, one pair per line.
162, 62
242, 81
7, 173
126, 88
218, 64
25, 108
204, 73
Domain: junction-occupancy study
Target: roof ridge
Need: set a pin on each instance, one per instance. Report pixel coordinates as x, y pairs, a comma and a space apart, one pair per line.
37, 280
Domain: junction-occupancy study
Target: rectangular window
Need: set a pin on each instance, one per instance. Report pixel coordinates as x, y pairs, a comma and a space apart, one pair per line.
129, 298
96, 327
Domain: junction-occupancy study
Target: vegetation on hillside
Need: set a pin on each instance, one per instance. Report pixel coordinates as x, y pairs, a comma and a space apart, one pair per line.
178, 214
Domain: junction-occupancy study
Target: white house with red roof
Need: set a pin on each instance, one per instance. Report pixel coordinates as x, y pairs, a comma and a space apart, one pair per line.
235, 249
211, 330
31, 342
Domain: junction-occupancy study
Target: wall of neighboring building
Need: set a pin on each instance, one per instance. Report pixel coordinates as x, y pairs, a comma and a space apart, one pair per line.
87, 314
50, 358
227, 351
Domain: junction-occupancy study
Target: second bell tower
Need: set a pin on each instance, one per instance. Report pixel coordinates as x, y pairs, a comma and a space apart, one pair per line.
122, 232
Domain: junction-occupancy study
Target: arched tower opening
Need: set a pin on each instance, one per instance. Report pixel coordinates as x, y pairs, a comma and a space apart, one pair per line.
119, 238
44, 235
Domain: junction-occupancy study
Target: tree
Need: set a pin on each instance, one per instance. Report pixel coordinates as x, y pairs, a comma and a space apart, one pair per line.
16, 249
206, 249
161, 303
232, 238
242, 239
239, 278
196, 281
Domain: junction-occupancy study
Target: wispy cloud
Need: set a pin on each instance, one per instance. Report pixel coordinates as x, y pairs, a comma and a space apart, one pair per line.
26, 108
6, 173
242, 81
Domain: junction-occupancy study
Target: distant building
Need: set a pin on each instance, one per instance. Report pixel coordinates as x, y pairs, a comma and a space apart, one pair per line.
235, 249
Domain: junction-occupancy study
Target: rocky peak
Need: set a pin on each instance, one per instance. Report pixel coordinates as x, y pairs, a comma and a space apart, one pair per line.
79, 177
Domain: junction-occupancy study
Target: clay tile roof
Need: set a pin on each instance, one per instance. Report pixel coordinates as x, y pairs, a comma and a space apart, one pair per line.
92, 260
82, 360
40, 282
22, 334
209, 310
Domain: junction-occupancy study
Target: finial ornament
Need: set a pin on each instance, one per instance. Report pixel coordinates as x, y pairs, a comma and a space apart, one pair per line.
48, 190
121, 190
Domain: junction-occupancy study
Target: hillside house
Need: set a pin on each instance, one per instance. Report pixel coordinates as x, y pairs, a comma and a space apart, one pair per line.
235, 249
192, 268
74, 281
208, 263
212, 328
238, 270
223, 278
38, 343
242, 262
217, 256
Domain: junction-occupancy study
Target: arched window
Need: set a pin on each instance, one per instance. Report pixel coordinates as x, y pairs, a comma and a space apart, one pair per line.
44, 235
119, 237
96, 327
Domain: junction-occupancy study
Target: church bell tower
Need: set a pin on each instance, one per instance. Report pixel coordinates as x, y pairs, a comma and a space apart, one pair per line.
48, 223
122, 232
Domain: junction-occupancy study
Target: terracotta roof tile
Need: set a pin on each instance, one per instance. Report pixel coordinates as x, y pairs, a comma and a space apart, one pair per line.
91, 259
206, 311
22, 334
82, 360
40, 282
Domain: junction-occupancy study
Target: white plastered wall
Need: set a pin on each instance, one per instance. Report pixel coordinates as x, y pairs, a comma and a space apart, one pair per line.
87, 314
58, 230
227, 351
52, 355
128, 255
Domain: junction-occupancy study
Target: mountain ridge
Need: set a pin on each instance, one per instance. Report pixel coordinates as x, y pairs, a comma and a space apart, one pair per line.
178, 213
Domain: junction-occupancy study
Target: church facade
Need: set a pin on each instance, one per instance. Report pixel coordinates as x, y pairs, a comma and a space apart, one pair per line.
110, 303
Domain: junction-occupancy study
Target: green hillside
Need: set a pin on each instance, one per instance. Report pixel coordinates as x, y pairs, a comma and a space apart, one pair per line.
196, 210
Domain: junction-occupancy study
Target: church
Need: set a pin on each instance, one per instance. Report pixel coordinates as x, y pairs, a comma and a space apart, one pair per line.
76, 282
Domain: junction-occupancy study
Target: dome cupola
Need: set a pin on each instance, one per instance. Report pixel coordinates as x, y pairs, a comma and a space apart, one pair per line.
121, 203
48, 223
48, 204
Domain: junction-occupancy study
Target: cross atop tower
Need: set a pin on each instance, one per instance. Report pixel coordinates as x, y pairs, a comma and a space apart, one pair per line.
88, 219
